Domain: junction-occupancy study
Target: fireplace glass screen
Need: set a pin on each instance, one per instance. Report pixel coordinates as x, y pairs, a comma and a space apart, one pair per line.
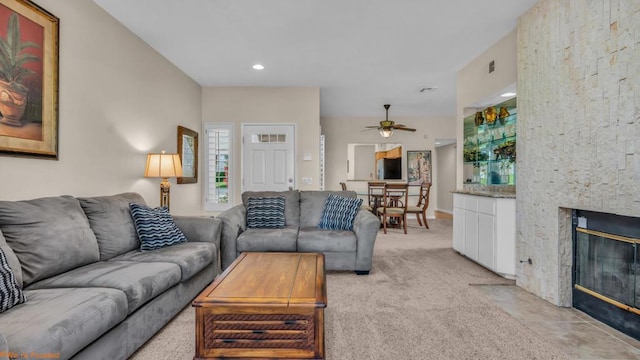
606, 264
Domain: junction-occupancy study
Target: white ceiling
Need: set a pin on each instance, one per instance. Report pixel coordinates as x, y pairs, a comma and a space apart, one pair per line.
360, 53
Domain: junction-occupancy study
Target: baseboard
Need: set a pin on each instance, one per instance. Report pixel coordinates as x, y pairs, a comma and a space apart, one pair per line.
443, 214
415, 216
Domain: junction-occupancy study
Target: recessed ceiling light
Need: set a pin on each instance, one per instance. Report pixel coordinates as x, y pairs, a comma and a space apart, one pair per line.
258, 67
508, 94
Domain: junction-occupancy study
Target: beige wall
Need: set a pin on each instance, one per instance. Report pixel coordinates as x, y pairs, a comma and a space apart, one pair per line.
475, 84
578, 129
446, 177
119, 99
341, 131
299, 106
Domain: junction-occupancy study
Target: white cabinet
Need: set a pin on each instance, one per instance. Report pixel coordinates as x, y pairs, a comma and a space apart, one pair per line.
484, 230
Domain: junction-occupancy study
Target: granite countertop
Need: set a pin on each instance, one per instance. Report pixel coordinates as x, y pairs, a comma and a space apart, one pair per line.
494, 191
487, 193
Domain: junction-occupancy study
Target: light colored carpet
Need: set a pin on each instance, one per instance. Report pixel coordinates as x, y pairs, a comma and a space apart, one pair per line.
419, 302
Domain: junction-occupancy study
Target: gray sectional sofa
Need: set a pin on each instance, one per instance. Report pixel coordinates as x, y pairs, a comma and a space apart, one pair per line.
343, 249
91, 293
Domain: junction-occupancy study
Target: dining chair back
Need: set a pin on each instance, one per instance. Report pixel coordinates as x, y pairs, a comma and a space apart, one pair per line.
394, 204
423, 203
375, 193
343, 186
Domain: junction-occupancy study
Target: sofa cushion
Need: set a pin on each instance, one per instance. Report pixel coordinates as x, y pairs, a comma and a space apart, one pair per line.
48, 235
192, 257
268, 239
140, 281
291, 203
312, 205
62, 321
339, 213
111, 221
12, 259
320, 240
155, 227
10, 293
265, 212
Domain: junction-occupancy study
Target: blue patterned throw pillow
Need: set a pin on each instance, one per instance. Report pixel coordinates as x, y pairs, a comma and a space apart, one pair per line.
339, 213
265, 212
155, 227
10, 293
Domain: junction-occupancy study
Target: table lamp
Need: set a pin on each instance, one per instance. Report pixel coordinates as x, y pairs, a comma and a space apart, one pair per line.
163, 166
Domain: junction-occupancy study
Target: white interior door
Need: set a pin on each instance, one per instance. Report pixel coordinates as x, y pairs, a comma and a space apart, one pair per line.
268, 162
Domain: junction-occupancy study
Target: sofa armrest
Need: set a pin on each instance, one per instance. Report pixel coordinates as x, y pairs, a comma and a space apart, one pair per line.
234, 222
365, 226
202, 229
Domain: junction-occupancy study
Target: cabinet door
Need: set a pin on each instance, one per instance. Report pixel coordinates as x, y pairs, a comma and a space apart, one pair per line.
506, 237
471, 234
458, 230
486, 241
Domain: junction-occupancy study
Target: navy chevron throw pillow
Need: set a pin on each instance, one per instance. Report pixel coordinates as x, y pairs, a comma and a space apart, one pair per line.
10, 293
339, 212
155, 227
265, 212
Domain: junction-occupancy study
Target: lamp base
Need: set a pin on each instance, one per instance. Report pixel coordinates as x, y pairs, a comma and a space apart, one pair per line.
164, 193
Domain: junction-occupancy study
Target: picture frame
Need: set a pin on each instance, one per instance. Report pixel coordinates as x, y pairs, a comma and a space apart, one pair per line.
28, 80
188, 152
418, 167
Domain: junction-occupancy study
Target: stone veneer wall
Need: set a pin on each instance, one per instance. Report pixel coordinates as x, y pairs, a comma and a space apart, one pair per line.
578, 129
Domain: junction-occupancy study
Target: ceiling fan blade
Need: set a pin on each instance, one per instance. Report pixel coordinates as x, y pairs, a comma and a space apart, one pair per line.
372, 127
404, 128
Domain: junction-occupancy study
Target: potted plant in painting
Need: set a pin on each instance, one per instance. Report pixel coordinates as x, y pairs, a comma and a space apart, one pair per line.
13, 93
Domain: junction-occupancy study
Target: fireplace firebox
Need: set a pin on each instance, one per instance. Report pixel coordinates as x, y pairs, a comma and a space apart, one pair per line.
606, 265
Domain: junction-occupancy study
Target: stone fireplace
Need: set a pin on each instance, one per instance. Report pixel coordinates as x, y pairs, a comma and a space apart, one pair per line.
606, 261
578, 131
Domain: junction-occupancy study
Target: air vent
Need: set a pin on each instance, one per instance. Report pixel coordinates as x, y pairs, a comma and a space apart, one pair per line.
426, 89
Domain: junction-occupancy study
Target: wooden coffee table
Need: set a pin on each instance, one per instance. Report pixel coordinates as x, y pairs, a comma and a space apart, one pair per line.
264, 306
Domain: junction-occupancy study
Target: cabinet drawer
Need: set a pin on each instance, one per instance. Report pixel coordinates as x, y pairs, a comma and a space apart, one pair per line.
259, 331
470, 203
458, 201
487, 206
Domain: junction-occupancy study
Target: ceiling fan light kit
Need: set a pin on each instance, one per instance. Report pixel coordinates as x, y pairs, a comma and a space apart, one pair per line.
386, 132
387, 126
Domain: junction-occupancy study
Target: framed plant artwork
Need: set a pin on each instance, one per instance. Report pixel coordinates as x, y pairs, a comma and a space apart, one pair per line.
188, 151
419, 167
28, 80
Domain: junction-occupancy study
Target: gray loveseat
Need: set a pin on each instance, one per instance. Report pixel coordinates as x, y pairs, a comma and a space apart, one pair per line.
343, 250
91, 293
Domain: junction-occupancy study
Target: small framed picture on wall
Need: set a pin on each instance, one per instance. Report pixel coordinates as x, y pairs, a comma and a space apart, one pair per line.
418, 167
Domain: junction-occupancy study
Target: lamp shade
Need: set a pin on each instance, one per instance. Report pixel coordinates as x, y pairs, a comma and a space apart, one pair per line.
163, 165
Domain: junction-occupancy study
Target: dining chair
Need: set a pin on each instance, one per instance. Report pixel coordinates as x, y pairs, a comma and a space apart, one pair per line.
394, 204
423, 203
375, 192
343, 186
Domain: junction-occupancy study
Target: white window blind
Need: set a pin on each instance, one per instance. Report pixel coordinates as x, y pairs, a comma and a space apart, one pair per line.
218, 165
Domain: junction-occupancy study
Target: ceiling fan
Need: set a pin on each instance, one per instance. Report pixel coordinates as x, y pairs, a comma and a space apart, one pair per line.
387, 126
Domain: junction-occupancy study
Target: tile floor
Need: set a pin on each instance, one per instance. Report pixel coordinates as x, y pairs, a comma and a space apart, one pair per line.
572, 331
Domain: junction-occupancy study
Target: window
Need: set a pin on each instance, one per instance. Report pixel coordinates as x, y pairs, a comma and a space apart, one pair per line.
218, 146
322, 162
